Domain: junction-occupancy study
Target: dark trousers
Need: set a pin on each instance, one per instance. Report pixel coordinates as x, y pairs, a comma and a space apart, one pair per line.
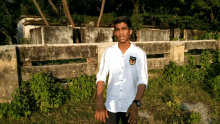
113, 118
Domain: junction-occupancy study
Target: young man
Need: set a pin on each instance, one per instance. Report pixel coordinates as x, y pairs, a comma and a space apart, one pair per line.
126, 65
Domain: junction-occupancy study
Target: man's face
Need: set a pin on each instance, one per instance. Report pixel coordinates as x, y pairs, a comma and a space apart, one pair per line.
122, 32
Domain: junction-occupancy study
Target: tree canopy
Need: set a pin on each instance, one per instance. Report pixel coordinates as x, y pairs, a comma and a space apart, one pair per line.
182, 14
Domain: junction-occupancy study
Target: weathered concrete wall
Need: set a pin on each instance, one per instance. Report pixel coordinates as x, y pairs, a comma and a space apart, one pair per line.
153, 35
57, 35
154, 47
8, 72
26, 54
59, 52
24, 31
36, 37
52, 35
98, 35
189, 34
201, 44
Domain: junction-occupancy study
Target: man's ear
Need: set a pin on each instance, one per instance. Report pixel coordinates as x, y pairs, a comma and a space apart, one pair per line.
130, 31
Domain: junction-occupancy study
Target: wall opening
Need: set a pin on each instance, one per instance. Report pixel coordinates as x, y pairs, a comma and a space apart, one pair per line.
155, 56
58, 62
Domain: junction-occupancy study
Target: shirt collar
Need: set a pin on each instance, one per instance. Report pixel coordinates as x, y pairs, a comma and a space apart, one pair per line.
116, 45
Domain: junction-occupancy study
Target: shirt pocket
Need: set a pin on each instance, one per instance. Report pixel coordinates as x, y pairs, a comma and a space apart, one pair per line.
131, 63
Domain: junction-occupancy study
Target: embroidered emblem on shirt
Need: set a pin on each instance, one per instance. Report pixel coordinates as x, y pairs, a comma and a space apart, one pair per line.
132, 60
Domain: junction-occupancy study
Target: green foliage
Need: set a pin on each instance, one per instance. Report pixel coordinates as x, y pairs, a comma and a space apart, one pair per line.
41, 92
205, 78
24, 41
137, 21
194, 118
208, 75
81, 88
209, 36
182, 39
174, 39
107, 18
195, 38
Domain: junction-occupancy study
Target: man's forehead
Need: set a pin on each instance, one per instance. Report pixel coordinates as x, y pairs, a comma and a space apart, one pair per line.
121, 25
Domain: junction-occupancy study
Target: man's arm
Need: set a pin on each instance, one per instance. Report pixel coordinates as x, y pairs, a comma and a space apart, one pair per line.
142, 75
140, 92
101, 111
133, 109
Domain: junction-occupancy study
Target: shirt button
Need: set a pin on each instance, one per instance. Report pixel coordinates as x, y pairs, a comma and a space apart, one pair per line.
120, 90
121, 80
122, 67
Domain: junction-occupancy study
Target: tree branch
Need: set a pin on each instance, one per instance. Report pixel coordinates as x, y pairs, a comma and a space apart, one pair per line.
101, 12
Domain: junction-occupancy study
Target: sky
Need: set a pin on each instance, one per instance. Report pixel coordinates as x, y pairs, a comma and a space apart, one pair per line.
10, 0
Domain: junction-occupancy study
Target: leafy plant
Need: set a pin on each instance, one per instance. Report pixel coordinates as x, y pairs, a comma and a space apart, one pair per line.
194, 117
24, 41
182, 39
175, 39
195, 38
41, 92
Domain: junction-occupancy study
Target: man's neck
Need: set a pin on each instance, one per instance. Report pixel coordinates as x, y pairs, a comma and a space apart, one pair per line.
124, 46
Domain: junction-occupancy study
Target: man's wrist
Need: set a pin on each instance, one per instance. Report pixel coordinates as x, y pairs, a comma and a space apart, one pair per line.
137, 102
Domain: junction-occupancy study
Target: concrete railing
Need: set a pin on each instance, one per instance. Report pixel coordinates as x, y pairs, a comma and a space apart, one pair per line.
16, 61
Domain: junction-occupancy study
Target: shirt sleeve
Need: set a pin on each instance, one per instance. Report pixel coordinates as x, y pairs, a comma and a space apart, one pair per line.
103, 68
142, 72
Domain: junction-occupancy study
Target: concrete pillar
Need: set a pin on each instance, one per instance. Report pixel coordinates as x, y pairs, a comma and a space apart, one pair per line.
185, 34
177, 52
89, 33
8, 72
92, 65
177, 33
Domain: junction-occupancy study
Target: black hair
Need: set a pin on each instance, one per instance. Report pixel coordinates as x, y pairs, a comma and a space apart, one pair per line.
124, 19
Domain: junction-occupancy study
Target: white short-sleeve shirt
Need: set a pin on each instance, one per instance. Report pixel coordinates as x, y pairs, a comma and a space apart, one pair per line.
126, 72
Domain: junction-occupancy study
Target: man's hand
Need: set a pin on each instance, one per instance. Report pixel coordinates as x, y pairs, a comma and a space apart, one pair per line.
133, 114
101, 112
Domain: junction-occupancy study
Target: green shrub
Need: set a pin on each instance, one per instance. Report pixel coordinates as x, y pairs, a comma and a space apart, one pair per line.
209, 36
182, 39
41, 92
195, 38
24, 41
194, 118
175, 39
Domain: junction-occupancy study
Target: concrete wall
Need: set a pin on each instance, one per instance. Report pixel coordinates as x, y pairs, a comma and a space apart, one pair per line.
58, 52
24, 31
64, 35
52, 35
153, 35
18, 63
98, 35
8, 72
189, 34
36, 37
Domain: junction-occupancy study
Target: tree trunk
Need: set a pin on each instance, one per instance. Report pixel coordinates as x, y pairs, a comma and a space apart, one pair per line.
42, 15
212, 16
136, 4
70, 20
53, 6
101, 12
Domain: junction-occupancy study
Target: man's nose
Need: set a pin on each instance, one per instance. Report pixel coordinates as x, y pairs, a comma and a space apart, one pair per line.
121, 31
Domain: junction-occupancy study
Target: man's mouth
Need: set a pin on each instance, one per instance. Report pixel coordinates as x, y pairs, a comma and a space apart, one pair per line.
122, 37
